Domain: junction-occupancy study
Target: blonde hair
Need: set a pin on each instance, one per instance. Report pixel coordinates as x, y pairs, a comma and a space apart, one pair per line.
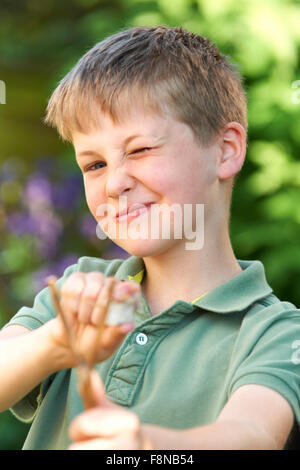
164, 69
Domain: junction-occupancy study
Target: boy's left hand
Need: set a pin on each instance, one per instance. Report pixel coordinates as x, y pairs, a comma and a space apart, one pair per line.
107, 426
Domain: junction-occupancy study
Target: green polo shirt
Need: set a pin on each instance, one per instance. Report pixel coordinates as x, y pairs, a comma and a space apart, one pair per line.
176, 369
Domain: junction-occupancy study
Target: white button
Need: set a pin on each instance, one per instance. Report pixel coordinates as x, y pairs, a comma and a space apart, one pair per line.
141, 338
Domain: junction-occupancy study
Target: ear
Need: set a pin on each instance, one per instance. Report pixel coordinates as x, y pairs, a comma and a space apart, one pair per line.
233, 150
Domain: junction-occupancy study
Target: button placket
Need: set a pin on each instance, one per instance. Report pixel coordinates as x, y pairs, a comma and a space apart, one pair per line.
127, 367
129, 364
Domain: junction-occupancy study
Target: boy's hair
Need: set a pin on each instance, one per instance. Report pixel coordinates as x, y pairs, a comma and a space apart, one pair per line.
162, 68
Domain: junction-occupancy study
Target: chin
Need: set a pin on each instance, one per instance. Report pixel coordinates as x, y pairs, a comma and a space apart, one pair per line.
146, 248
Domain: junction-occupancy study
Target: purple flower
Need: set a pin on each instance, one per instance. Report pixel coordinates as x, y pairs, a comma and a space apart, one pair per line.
46, 165
57, 269
66, 194
46, 226
87, 226
20, 223
11, 169
37, 191
62, 264
49, 224
39, 278
47, 248
49, 229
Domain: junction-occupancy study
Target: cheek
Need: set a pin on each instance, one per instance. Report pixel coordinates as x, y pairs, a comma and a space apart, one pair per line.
164, 183
93, 197
179, 184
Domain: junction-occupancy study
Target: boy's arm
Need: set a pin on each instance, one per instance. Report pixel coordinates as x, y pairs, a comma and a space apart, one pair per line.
26, 358
255, 417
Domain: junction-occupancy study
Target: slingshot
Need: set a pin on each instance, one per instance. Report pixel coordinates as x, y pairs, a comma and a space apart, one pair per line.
84, 368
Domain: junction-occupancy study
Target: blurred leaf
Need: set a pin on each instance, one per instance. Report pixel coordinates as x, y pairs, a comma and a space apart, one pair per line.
16, 255
275, 167
177, 9
283, 206
150, 18
98, 24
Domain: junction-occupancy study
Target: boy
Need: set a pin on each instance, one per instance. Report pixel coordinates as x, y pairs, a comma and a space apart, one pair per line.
157, 117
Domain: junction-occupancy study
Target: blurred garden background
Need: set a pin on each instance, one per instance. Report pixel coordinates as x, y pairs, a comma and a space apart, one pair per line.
44, 221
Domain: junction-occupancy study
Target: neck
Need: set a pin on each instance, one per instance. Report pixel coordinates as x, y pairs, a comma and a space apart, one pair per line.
181, 274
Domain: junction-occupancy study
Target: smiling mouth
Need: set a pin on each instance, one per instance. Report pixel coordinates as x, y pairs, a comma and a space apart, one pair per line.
133, 212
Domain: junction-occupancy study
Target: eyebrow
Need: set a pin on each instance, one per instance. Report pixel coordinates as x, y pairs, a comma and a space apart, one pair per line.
88, 153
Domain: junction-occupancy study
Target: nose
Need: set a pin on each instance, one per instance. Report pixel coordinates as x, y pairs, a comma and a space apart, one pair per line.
118, 182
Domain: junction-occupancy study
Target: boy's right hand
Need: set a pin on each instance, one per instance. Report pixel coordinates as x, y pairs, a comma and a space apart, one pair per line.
81, 297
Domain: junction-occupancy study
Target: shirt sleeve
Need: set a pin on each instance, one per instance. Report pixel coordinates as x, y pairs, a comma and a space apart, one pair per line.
273, 360
42, 309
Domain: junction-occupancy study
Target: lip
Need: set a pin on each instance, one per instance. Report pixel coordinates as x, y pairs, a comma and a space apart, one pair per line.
135, 207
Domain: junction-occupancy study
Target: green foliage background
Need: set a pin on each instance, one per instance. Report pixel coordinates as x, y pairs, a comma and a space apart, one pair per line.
40, 41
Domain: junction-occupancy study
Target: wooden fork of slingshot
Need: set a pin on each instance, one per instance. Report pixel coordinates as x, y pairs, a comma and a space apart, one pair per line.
84, 368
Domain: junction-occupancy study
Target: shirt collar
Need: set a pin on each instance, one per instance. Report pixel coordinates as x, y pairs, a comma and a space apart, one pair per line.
234, 295
240, 292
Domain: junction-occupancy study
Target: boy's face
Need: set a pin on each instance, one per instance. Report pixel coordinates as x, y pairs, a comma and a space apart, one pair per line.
147, 158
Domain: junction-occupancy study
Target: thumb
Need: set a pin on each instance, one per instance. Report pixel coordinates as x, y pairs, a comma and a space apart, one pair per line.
113, 335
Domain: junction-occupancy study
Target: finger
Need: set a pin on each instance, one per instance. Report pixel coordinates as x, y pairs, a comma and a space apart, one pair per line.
107, 421
113, 335
102, 302
121, 442
93, 285
89, 444
124, 289
71, 292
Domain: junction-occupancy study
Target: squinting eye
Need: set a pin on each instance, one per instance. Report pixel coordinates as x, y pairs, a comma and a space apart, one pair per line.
92, 167
140, 150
